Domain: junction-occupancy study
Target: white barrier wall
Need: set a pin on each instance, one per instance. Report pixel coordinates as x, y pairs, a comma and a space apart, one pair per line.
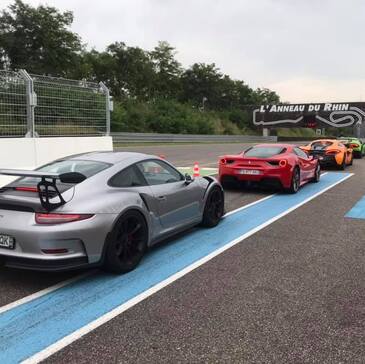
30, 153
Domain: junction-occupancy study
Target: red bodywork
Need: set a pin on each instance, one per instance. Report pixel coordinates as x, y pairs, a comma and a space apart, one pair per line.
277, 169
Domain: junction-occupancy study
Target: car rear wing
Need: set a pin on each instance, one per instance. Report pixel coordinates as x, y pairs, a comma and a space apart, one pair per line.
47, 186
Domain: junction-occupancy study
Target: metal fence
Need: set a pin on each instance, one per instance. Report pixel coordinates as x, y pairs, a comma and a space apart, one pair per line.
13, 104
34, 105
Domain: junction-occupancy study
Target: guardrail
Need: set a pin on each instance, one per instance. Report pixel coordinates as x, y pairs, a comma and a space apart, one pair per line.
187, 138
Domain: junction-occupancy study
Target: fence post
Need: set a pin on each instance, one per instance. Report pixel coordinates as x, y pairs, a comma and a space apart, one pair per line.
108, 106
31, 103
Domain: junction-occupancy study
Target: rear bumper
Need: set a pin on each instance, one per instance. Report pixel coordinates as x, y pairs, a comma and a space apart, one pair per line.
57, 265
84, 241
328, 161
275, 177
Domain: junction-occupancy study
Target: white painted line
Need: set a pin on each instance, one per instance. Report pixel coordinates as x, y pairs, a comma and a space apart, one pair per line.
256, 202
76, 335
45, 291
249, 205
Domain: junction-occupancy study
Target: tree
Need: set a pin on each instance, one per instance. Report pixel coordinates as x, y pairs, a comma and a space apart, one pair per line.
38, 39
167, 71
132, 72
266, 96
201, 84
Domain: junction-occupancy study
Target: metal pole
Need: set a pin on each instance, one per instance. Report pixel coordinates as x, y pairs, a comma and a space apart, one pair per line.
108, 106
31, 103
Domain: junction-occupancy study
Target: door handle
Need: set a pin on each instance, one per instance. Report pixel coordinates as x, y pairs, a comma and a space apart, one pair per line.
161, 198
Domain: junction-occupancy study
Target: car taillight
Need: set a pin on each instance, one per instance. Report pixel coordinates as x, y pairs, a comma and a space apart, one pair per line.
223, 161
55, 251
26, 189
332, 152
43, 219
283, 163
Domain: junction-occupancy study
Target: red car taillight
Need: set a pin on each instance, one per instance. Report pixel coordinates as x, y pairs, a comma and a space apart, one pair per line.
26, 189
44, 219
223, 161
283, 163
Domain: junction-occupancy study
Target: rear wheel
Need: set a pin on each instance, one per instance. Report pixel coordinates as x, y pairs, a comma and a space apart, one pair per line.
295, 181
317, 174
214, 208
128, 243
342, 166
352, 159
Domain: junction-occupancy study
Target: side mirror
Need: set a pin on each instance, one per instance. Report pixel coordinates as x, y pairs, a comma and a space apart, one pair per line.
188, 179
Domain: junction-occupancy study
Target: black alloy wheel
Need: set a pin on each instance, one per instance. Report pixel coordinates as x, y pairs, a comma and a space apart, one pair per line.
295, 181
128, 243
214, 208
317, 174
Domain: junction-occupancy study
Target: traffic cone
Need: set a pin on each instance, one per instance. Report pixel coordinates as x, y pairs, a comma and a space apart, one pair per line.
196, 170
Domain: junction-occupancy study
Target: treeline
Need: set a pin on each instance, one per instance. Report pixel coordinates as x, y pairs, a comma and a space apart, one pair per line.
152, 91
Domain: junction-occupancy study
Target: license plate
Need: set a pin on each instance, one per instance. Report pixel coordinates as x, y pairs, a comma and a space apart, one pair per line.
249, 171
7, 242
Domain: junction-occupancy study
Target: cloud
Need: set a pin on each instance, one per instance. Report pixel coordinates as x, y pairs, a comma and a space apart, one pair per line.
306, 50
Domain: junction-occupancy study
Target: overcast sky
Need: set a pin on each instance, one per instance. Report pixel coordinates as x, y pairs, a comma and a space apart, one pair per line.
306, 50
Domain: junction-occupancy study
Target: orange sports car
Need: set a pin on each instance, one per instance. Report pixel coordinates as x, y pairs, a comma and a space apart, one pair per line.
330, 152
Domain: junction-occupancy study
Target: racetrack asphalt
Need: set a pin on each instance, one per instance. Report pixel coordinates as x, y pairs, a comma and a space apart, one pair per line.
293, 292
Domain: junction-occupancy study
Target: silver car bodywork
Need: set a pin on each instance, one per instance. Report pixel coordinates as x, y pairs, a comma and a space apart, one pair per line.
167, 208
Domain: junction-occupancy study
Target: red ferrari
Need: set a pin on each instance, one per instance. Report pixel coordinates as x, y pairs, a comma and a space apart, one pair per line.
278, 165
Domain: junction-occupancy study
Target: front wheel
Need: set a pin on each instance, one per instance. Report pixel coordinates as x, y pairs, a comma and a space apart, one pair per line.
342, 166
295, 181
214, 208
128, 243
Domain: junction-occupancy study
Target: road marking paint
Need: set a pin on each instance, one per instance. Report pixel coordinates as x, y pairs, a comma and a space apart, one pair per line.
358, 210
45, 291
38, 329
52, 349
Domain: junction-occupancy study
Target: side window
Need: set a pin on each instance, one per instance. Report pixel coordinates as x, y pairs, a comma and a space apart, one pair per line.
128, 177
300, 153
157, 172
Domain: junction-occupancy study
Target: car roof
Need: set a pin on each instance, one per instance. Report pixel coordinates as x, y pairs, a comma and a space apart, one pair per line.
110, 157
274, 145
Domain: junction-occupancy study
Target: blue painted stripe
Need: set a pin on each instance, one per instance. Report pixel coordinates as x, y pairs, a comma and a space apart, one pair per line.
358, 211
31, 327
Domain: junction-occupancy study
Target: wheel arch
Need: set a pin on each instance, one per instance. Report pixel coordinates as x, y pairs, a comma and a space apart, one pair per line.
109, 235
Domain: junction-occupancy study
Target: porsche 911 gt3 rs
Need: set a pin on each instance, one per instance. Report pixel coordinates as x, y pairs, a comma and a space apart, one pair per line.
100, 208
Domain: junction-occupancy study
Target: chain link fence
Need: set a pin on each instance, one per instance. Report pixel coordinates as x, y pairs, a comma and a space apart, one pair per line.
34, 105
13, 104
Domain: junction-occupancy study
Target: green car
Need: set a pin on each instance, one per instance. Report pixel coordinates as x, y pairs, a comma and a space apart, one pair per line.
356, 144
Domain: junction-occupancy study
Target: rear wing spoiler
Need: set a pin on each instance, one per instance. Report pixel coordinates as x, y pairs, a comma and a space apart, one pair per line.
47, 187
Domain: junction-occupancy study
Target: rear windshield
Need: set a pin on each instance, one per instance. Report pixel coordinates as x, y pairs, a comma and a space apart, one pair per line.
87, 168
320, 145
264, 152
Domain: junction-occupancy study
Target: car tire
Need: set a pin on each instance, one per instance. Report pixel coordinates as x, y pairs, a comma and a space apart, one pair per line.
317, 174
295, 181
342, 166
127, 244
352, 160
214, 208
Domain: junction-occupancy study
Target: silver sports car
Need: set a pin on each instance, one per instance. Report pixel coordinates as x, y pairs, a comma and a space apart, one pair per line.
100, 208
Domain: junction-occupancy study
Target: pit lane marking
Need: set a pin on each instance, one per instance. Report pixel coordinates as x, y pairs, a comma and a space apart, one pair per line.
40, 328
